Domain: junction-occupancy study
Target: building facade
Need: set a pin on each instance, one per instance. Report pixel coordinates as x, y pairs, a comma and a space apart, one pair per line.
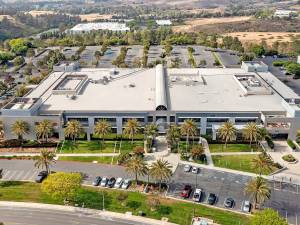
158, 95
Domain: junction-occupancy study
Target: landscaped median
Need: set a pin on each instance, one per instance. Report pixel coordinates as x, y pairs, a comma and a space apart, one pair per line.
233, 148
120, 201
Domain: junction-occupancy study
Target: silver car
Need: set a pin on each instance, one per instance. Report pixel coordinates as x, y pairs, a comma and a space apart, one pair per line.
104, 182
187, 168
119, 182
126, 184
246, 206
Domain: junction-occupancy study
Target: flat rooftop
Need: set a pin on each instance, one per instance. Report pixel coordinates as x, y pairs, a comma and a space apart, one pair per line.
186, 90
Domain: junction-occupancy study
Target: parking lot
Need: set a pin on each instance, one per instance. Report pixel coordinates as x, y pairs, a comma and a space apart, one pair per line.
109, 56
229, 59
134, 52
285, 197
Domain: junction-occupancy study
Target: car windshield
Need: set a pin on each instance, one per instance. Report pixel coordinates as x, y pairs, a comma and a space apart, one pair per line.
126, 181
196, 195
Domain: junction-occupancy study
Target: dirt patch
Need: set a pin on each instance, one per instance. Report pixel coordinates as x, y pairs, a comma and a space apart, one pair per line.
94, 16
10, 18
269, 37
35, 13
192, 25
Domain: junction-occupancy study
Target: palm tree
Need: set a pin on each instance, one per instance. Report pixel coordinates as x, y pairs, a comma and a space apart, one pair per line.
258, 189
298, 136
137, 166
45, 160
150, 132
197, 151
131, 128
262, 162
262, 133
73, 129
250, 132
44, 129
160, 170
102, 128
173, 136
227, 132
188, 128
20, 128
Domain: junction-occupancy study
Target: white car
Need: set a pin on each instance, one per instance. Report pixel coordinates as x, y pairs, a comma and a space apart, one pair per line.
104, 182
119, 182
246, 206
195, 170
187, 168
126, 184
197, 195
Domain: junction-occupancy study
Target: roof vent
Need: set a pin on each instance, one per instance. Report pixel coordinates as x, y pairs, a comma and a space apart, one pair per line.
132, 85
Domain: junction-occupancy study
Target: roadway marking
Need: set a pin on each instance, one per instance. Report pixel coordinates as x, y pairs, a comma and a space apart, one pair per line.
12, 174
6, 174
26, 174
19, 175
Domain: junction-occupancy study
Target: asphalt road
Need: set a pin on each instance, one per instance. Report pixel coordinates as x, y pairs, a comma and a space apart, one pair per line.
26, 216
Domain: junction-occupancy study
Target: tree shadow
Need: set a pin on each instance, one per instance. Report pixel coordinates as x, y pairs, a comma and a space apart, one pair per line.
4, 184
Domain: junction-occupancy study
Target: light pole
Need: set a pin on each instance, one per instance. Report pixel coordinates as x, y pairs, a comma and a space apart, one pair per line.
194, 210
103, 201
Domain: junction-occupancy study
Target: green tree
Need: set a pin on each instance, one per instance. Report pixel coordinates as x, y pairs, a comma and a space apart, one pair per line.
188, 128
102, 128
262, 133
258, 190
227, 132
250, 132
262, 163
132, 127
62, 185
20, 128
267, 216
45, 160
19, 60
21, 91
173, 136
197, 151
150, 131
160, 170
73, 129
137, 166
258, 50
44, 129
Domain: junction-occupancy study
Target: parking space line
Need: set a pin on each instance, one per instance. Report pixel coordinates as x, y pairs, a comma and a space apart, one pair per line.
12, 175
5, 174
26, 174
33, 175
19, 175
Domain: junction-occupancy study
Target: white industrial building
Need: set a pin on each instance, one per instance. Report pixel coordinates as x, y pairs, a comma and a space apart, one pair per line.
209, 96
87, 27
285, 13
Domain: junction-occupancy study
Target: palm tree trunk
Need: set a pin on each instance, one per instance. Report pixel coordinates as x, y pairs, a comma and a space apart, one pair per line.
136, 177
187, 143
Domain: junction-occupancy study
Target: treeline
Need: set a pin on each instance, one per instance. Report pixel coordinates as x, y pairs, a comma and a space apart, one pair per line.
159, 36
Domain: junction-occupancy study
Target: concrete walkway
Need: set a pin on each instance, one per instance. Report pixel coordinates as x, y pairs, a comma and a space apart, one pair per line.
209, 160
235, 153
63, 154
100, 213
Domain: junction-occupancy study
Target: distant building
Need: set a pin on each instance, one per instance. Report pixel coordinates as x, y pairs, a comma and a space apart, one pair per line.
255, 66
285, 13
87, 27
298, 59
163, 22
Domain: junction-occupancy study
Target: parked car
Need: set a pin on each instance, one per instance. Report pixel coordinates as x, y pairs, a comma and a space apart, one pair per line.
126, 184
212, 198
119, 182
186, 191
197, 195
229, 203
104, 182
111, 182
246, 206
97, 181
187, 168
41, 176
195, 170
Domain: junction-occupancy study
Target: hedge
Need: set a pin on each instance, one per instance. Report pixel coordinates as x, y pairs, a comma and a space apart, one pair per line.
291, 143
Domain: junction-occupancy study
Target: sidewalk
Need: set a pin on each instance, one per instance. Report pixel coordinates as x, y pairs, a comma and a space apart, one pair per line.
100, 213
209, 160
63, 154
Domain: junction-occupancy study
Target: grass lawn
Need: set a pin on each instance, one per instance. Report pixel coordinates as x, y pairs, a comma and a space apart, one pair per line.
177, 211
127, 146
88, 147
100, 159
237, 162
232, 148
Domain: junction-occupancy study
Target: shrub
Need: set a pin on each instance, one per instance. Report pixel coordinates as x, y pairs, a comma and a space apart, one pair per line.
164, 210
291, 144
289, 158
133, 204
270, 142
122, 196
279, 63
138, 150
153, 202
